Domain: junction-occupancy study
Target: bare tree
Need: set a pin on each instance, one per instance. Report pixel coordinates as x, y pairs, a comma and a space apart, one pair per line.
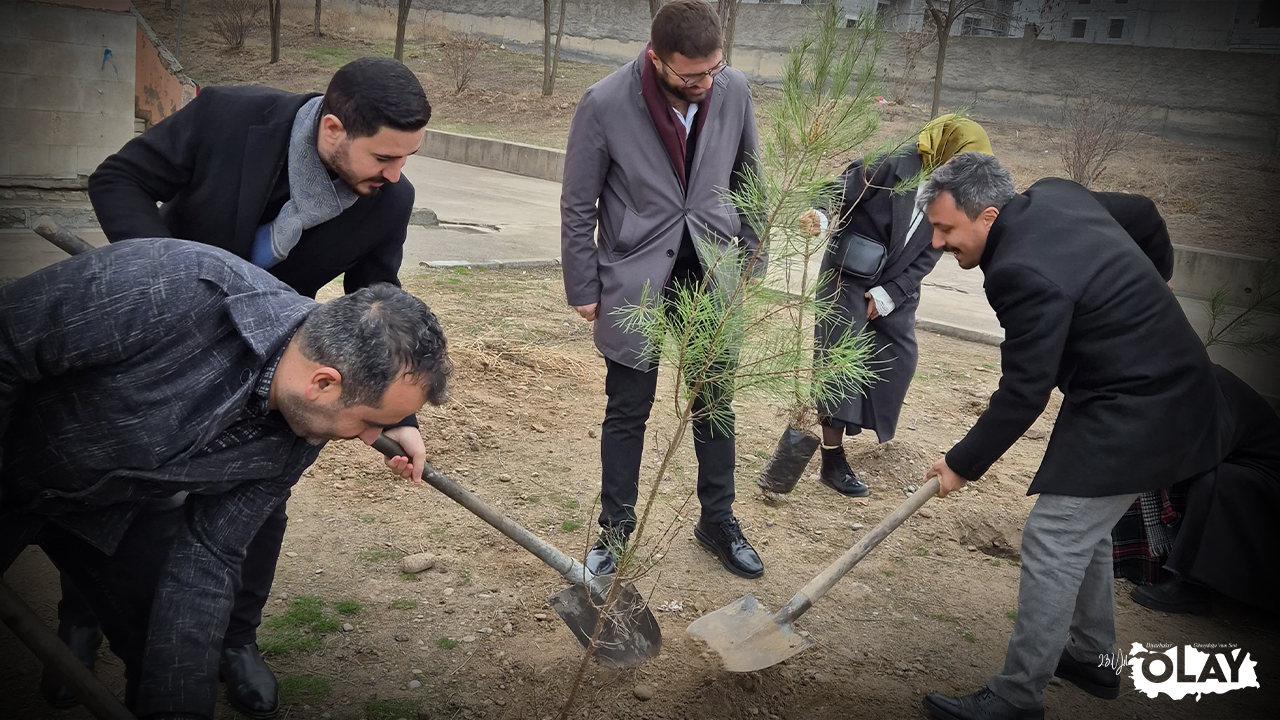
232, 20
914, 45
728, 12
402, 20
1096, 126
316, 31
273, 18
550, 58
461, 51
944, 14
654, 7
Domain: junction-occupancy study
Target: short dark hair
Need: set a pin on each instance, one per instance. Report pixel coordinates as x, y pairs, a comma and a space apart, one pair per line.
975, 180
688, 27
373, 336
371, 93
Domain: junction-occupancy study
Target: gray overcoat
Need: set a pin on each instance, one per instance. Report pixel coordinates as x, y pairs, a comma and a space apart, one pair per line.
885, 217
623, 212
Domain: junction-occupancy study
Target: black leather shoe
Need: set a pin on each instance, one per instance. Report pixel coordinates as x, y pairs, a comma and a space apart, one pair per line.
837, 475
1173, 596
601, 559
725, 539
83, 643
1103, 682
982, 705
251, 687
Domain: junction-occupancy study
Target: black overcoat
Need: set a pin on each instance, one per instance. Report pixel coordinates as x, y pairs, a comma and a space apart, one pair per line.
1077, 280
213, 165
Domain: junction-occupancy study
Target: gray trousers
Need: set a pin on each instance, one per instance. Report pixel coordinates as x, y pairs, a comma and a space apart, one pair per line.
1065, 593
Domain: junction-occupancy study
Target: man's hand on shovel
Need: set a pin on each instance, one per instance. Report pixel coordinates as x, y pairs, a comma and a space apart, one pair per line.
408, 466
948, 480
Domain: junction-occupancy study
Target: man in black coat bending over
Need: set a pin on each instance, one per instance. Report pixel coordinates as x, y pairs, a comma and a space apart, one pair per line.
306, 186
1078, 281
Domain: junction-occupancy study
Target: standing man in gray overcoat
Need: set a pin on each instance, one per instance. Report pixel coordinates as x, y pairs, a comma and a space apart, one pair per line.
651, 151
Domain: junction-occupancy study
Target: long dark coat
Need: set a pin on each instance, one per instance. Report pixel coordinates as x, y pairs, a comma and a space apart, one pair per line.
1229, 532
1077, 280
871, 208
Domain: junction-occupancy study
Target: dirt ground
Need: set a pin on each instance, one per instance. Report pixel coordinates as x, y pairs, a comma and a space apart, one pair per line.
930, 609
1210, 197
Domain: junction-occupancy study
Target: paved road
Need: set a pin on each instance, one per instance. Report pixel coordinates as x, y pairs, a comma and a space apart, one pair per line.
487, 215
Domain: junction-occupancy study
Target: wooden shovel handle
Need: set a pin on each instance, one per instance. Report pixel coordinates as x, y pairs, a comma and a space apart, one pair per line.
50, 230
54, 653
571, 569
817, 587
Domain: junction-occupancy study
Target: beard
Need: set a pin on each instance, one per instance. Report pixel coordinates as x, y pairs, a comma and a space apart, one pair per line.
305, 419
683, 92
339, 162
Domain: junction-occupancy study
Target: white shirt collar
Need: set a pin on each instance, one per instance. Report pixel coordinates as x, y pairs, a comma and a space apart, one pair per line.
687, 118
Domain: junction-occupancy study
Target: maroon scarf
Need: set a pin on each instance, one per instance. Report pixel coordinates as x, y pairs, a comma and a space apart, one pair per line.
669, 129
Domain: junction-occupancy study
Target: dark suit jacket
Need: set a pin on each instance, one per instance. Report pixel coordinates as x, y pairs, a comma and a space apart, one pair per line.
213, 164
1085, 307
117, 369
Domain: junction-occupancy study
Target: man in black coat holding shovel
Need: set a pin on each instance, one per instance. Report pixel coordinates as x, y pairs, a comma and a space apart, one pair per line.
303, 185
1078, 281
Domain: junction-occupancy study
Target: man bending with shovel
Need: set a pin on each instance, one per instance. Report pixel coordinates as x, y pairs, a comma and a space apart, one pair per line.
151, 368
1077, 280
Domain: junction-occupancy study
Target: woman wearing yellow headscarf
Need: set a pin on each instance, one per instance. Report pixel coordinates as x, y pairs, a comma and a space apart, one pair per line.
881, 249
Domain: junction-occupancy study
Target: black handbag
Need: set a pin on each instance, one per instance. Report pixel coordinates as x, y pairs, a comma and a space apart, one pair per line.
860, 256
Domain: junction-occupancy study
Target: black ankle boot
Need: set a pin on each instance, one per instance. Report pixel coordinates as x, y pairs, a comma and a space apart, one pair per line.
251, 686
83, 643
837, 475
726, 540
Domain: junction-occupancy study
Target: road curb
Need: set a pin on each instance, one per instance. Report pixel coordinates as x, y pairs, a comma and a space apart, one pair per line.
958, 331
491, 264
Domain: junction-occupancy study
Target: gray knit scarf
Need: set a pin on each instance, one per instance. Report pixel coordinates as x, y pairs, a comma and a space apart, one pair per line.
314, 197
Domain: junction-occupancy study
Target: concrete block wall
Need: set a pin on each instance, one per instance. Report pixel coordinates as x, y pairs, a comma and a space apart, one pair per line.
1198, 96
66, 87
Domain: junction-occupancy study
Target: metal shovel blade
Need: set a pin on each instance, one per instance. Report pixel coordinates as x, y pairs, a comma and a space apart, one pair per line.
747, 636
630, 634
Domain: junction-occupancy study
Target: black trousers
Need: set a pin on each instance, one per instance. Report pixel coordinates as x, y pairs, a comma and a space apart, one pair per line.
630, 395
116, 590
251, 593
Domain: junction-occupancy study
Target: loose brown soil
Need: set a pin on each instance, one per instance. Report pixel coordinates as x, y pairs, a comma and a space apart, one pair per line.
1210, 197
930, 609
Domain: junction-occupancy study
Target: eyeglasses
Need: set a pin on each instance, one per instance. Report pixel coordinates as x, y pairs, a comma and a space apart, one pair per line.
692, 80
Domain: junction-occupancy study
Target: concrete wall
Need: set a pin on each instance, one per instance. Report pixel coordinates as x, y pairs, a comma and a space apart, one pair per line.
160, 87
515, 158
1199, 96
66, 87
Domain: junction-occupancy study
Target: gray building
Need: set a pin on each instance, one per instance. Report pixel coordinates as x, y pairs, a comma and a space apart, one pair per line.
1235, 25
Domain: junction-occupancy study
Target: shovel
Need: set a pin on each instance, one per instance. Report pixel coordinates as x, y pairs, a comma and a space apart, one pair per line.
630, 634
748, 637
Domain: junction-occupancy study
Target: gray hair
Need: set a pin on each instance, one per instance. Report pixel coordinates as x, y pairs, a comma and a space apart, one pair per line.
975, 180
372, 337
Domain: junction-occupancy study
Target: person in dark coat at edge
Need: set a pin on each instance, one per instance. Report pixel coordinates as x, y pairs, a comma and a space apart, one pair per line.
1223, 533
887, 304
1078, 282
307, 186
156, 367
